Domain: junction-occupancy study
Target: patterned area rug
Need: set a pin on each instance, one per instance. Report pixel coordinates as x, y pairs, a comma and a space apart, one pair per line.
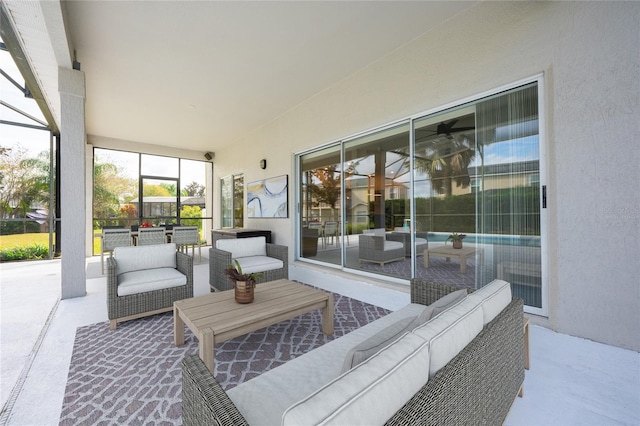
133, 375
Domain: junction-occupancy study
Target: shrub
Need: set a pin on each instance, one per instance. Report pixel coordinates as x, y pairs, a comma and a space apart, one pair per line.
32, 252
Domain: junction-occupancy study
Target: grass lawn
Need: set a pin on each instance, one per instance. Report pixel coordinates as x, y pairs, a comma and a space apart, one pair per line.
23, 240
26, 240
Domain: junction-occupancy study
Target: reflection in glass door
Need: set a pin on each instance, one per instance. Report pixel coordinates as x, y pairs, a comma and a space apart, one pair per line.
477, 173
321, 212
377, 190
473, 170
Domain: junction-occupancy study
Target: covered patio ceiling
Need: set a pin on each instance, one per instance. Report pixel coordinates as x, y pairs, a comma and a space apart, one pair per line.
203, 74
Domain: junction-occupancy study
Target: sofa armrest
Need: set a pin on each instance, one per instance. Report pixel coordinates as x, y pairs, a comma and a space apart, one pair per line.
184, 264
112, 285
279, 252
204, 402
219, 260
479, 385
427, 292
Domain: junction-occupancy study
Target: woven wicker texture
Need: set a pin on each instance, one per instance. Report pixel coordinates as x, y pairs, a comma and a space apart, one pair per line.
112, 238
203, 400
124, 306
477, 387
151, 236
219, 260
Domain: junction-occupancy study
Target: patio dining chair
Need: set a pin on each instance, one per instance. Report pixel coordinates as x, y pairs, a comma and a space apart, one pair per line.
112, 238
330, 233
185, 236
148, 236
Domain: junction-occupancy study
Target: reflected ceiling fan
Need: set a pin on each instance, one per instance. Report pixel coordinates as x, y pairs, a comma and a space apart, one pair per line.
445, 128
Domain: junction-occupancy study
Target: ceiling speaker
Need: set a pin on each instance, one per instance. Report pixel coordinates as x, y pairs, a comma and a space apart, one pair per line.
209, 155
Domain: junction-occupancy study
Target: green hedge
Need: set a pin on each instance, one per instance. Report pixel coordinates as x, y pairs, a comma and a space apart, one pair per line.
33, 252
458, 213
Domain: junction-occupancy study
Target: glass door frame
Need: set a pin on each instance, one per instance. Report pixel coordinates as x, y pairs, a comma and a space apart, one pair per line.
538, 79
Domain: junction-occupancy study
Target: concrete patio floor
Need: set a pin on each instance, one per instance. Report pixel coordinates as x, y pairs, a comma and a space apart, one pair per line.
572, 381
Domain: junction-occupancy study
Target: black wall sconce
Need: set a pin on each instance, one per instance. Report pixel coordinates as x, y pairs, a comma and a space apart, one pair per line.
263, 163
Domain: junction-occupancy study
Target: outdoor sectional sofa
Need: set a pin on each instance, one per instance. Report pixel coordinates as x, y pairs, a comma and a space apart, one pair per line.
464, 365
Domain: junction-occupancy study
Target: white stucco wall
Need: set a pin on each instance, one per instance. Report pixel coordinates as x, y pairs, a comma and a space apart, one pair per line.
590, 56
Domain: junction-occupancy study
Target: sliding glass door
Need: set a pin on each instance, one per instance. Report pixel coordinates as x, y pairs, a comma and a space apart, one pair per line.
400, 195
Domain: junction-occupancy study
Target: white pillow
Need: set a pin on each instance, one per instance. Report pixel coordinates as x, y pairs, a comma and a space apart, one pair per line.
450, 332
493, 298
243, 247
369, 347
137, 258
370, 393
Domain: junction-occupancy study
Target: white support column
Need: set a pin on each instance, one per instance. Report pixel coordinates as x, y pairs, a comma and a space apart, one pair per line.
72, 182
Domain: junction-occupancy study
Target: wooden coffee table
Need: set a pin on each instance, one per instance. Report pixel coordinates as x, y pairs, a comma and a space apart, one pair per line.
217, 317
449, 252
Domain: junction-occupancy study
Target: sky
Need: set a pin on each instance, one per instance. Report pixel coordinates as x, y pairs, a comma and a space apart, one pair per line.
35, 141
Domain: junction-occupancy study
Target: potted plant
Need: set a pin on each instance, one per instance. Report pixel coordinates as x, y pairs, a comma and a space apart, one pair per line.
243, 283
456, 239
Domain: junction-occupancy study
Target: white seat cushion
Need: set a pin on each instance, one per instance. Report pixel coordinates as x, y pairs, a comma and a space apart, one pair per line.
449, 332
259, 264
370, 393
148, 280
144, 257
295, 379
493, 297
392, 245
243, 247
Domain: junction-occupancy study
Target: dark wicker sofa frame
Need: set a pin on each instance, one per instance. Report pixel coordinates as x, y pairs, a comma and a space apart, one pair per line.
124, 308
219, 260
476, 387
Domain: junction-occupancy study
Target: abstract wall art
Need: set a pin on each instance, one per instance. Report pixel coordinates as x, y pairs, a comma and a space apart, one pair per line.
268, 197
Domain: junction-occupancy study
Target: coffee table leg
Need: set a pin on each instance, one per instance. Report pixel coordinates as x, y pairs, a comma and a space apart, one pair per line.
426, 259
463, 263
327, 316
205, 348
178, 327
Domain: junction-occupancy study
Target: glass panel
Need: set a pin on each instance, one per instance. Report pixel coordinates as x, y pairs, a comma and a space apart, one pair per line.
509, 199
193, 189
159, 202
115, 191
477, 173
238, 201
377, 189
156, 165
26, 175
226, 201
320, 202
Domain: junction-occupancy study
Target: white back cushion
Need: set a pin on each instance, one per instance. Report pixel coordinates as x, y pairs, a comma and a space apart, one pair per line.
493, 298
449, 332
243, 247
371, 392
145, 257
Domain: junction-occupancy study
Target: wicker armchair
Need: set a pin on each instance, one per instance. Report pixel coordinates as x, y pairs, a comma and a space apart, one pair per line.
377, 249
422, 241
138, 305
219, 260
